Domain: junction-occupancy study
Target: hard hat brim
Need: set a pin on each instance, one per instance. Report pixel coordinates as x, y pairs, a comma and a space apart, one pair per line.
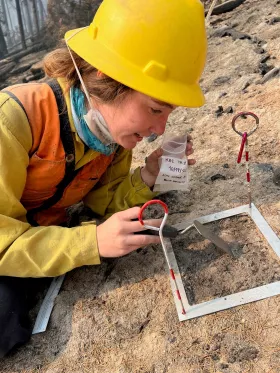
118, 68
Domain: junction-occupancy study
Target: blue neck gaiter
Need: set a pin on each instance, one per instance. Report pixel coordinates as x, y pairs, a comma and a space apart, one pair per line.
78, 109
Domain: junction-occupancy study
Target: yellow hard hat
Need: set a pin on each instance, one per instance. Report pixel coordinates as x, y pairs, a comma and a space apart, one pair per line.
157, 47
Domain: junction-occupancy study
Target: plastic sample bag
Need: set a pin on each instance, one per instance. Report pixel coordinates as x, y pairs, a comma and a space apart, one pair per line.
173, 174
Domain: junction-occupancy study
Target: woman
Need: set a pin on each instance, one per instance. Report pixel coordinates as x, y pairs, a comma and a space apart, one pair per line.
70, 140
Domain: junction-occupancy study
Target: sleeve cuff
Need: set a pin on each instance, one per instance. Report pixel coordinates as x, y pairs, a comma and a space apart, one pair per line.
140, 186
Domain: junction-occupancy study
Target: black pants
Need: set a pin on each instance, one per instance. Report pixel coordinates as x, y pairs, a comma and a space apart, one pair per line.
17, 297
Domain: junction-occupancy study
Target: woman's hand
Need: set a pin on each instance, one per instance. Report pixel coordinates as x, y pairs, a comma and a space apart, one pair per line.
150, 172
115, 236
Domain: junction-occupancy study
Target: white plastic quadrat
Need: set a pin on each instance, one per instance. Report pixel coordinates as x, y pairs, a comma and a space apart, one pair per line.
232, 300
244, 297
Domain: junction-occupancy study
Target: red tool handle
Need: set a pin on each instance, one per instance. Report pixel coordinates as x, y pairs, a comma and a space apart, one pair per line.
152, 202
243, 142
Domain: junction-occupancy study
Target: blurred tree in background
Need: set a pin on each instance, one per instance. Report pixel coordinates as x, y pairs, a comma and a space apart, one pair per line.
64, 15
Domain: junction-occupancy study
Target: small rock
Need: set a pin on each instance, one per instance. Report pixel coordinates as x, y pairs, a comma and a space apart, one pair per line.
218, 177
143, 325
239, 35
222, 94
219, 111
276, 176
229, 31
172, 340
270, 75
245, 249
244, 81
264, 68
265, 58
229, 110
226, 165
223, 366
259, 50
257, 41
273, 20
221, 80
246, 85
221, 31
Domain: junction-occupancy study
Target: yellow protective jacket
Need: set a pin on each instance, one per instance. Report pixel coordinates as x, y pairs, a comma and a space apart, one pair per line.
28, 251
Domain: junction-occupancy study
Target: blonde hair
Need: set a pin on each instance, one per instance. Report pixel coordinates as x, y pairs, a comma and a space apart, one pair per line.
58, 64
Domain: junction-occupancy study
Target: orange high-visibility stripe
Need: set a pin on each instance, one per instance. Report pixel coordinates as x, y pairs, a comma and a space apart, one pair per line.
46, 167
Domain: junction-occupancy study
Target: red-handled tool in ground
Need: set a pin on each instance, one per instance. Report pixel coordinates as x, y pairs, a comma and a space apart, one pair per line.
171, 232
244, 143
160, 232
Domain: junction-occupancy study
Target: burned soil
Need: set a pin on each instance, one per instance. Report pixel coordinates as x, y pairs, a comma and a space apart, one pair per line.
207, 272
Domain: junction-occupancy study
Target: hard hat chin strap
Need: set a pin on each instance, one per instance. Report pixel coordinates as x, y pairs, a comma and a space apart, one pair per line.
93, 118
78, 72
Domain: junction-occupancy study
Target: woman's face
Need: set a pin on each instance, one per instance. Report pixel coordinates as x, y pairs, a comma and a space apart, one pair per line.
135, 117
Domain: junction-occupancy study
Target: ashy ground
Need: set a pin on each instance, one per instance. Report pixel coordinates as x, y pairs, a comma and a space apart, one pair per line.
120, 317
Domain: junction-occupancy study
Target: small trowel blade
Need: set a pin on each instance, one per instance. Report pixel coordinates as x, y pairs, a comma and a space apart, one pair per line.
205, 232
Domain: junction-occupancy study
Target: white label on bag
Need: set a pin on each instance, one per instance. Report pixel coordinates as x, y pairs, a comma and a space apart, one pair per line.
173, 170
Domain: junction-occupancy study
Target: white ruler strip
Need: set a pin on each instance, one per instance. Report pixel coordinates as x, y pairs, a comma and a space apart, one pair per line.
237, 299
232, 300
47, 305
213, 217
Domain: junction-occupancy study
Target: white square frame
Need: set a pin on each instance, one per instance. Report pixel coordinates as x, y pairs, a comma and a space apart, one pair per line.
201, 309
232, 300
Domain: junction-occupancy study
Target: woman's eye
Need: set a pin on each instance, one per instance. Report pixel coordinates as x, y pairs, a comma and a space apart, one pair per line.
156, 111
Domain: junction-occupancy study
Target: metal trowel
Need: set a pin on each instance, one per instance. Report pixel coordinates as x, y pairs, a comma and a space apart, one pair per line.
205, 232
171, 232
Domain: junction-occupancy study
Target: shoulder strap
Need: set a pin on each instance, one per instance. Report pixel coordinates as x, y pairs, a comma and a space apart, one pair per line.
68, 145
14, 97
65, 129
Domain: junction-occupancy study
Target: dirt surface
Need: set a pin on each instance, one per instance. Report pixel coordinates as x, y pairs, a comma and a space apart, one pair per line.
120, 317
208, 272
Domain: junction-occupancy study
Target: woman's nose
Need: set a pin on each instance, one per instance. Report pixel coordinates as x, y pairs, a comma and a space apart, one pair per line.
159, 127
